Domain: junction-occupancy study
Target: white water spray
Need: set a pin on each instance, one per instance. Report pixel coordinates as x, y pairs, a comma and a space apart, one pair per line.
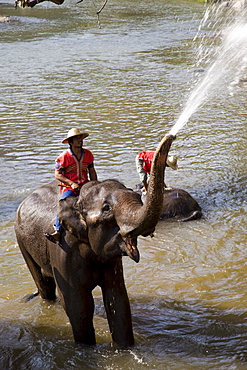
230, 64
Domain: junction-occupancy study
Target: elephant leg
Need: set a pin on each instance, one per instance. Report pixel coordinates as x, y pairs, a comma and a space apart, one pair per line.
45, 284
78, 304
116, 303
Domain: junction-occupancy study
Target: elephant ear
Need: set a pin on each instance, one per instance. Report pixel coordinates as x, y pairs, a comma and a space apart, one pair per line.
71, 218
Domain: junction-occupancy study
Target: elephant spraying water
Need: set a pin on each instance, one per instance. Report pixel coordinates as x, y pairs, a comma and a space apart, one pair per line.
99, 226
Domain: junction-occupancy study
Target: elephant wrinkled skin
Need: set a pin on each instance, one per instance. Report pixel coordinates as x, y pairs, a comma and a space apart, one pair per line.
179, 205
99, 226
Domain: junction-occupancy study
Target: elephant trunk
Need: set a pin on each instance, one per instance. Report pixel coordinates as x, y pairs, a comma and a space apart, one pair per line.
147, 217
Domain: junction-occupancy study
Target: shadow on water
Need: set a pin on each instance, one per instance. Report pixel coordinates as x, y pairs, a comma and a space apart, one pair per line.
162, 328
191, 329
8, 209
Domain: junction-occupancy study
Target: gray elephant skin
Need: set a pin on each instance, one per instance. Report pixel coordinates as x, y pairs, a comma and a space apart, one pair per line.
179, 205
99, 227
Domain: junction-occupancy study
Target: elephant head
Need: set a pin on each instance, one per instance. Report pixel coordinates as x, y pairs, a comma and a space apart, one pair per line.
111, 217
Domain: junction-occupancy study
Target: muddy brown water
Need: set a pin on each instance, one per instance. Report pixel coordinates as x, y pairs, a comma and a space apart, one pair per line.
125, 84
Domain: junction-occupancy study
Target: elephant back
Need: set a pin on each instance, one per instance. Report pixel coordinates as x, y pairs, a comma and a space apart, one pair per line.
179, 205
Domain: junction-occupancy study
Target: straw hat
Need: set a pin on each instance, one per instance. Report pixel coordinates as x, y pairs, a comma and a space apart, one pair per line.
172, 162
74, 132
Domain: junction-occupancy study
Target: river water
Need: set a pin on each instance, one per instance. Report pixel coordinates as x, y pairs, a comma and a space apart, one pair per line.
126, 83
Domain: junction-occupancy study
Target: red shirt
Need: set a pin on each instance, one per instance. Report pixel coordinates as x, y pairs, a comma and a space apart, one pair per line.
147, 157
74, 169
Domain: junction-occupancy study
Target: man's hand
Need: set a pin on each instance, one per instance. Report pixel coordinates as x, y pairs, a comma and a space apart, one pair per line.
75, 187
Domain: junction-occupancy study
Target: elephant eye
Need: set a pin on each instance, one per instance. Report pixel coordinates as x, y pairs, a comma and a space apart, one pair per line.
106, 207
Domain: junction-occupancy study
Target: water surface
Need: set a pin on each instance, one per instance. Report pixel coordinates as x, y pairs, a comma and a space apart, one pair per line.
126, 83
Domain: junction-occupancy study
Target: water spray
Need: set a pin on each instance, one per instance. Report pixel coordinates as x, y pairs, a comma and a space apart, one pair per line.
230, 62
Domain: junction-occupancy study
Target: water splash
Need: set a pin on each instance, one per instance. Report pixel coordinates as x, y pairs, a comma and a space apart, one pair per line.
229, 64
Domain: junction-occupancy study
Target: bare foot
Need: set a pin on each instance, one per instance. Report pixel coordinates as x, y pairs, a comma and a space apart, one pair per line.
54, 238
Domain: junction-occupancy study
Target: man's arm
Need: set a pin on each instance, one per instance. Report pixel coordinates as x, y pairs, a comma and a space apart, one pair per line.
92, 174
60, 177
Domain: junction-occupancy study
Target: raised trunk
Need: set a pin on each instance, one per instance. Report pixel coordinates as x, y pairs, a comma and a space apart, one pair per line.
147, 217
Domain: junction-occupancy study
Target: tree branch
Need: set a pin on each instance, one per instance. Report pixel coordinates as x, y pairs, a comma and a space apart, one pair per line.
100, 10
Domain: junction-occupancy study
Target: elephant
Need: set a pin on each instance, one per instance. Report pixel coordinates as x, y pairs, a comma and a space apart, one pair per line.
32, 3
99, 227
178, 205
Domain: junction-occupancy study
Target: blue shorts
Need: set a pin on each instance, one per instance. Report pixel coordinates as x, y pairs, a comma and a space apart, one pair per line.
68, 193
65, 194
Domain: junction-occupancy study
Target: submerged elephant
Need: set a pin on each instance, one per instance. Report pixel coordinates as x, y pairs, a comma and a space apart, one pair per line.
178, 205
99, 226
